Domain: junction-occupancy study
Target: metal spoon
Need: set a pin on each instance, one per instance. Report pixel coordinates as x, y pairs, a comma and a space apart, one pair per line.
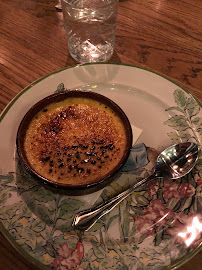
174, 162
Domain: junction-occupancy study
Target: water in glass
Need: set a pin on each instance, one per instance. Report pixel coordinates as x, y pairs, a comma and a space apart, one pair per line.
90, 26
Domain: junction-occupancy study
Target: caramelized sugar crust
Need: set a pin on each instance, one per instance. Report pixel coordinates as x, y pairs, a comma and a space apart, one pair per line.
75, 141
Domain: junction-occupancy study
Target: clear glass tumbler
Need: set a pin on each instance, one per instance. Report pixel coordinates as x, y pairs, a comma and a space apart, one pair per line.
90, 26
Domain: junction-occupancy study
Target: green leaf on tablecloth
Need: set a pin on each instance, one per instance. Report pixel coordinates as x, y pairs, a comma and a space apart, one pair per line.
69, 205
47, 233
64, 216
9, 211
178, 122
111, 219
179, 137
192, 107
171, 203
160, 195
98, 225
199, 130
151, 259
90, 237
197, 121
147, 196
183, 204
24, 211
140, 267
38, 225
175, 109
99, 252
119, 266
137, 209
126, 228
4, 196
90, 256
142, 238
6, 179
27, 234
64, 225
158, 238
141, 200
167, 236
6, 190
110, 242
20, 241
196, 206
116, 187
41, 194
126, 249
49, 248
199, 205
45, 214
85, 265
177, 205
180, 98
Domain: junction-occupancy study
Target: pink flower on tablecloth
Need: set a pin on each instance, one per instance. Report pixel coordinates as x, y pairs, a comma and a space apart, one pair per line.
152, 187
177, 190
68, 258
144, 225
171, 189
155, 214
186, 190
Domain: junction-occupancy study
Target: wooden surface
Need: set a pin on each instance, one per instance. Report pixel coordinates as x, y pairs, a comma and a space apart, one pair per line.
163, 35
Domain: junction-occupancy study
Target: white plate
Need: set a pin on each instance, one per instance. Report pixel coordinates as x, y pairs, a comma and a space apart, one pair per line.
156, 227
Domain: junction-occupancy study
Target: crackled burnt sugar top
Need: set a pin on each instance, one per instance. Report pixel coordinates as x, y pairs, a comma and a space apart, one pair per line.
75, 141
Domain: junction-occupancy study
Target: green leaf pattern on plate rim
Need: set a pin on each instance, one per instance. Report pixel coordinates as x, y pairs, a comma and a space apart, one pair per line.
133, 236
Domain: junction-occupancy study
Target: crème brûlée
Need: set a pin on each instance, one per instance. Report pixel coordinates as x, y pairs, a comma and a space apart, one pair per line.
75, 141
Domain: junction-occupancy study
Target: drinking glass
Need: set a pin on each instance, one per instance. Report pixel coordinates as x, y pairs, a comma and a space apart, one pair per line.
90, 27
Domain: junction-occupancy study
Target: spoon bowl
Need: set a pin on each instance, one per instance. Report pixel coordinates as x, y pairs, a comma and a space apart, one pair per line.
177, 160
174, 162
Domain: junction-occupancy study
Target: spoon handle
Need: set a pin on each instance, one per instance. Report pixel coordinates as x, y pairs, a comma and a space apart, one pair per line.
84, 220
